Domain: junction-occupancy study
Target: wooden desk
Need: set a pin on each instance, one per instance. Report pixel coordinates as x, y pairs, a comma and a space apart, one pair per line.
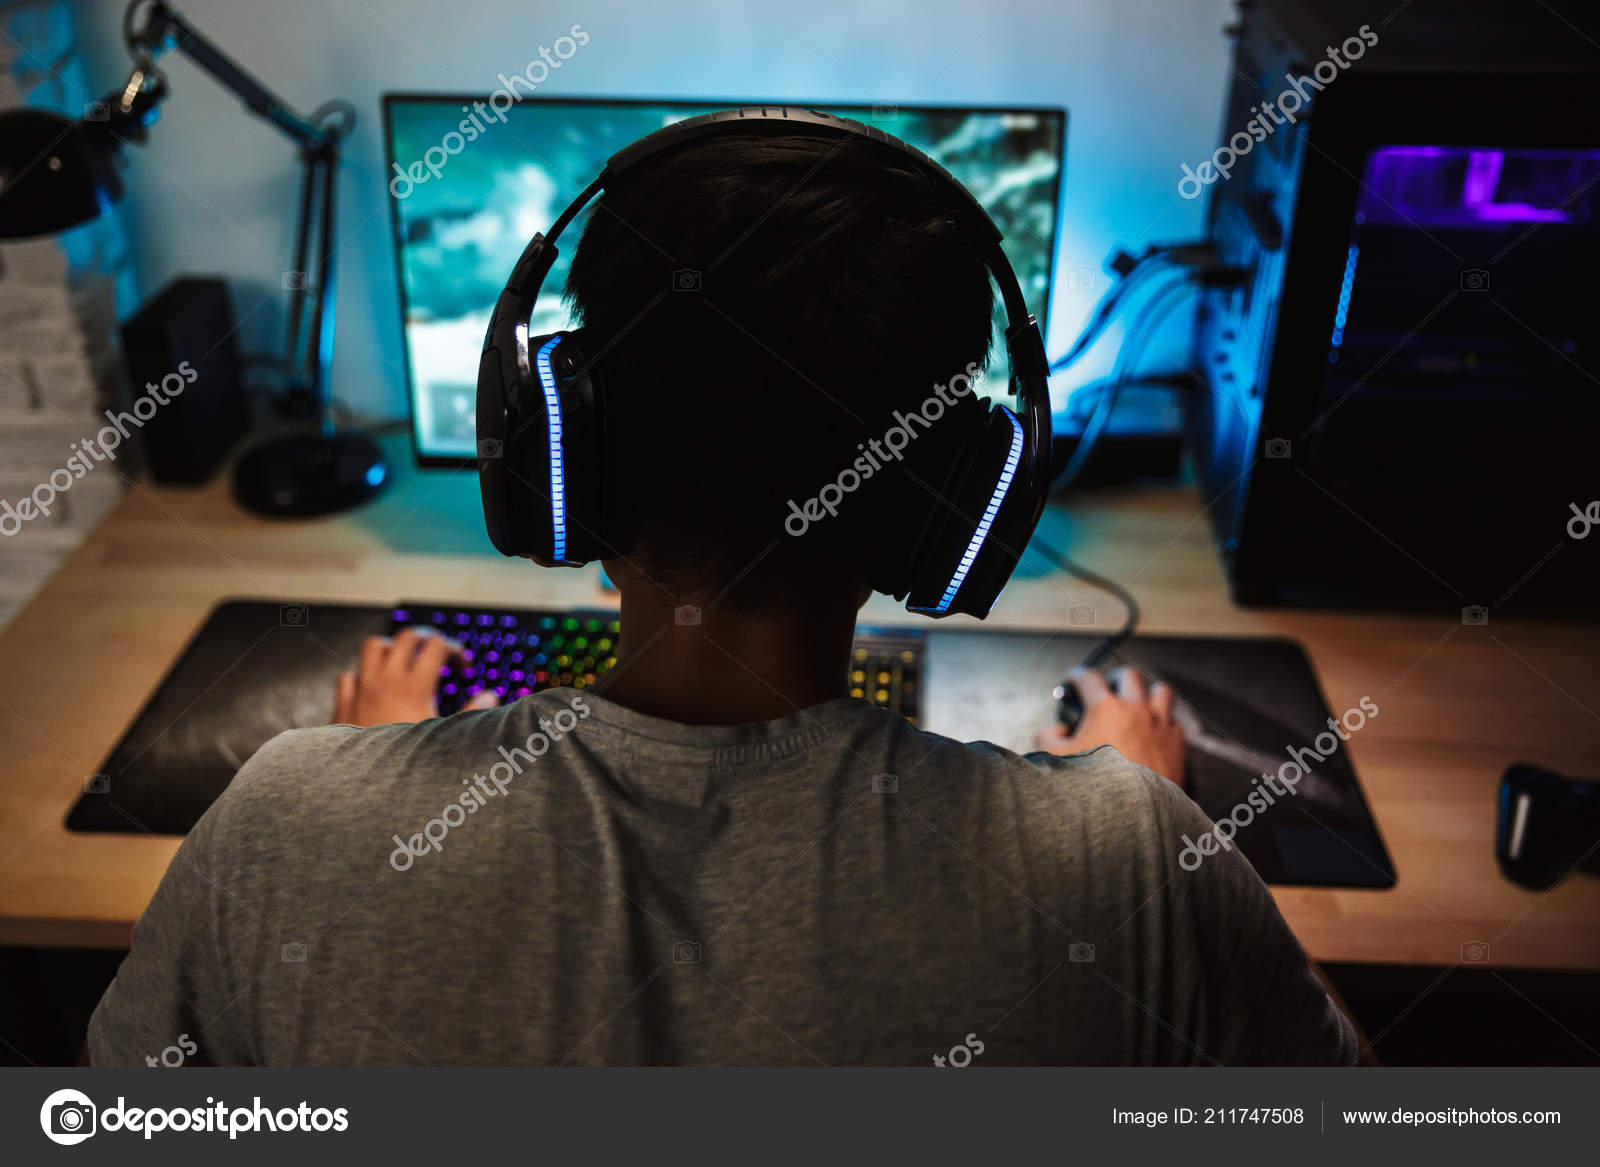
1457, 703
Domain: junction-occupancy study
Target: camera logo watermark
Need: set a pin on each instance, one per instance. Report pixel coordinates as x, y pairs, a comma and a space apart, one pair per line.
481, 788
1282, 110
90, 451
877, 454
480, 114
1270, 787
68, 1117
687, 952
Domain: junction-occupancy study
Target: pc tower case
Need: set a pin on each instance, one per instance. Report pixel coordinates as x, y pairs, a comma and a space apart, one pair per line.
1402, 402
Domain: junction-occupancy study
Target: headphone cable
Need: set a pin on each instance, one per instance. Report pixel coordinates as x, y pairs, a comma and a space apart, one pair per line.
1107, 644
1152, 312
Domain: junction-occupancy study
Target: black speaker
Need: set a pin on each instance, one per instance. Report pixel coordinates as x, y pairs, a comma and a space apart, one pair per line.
183, 360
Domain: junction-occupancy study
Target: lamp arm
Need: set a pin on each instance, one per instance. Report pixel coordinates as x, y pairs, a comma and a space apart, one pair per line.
160, 28
151, 29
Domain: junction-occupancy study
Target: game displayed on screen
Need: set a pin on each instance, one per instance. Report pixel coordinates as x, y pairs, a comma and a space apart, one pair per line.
461, 218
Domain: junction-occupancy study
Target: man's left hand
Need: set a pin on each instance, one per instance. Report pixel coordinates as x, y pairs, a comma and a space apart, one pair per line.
398, 680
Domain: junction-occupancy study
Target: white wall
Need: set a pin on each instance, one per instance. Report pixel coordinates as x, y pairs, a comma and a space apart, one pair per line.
215, 190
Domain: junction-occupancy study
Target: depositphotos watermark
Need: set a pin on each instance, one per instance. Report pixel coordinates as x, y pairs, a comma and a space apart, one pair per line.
961, 1054
1581, 522
481, 113
482, 787
173, 1055
89, 451
1288, 104
876, 453
69, 1117
1259, 801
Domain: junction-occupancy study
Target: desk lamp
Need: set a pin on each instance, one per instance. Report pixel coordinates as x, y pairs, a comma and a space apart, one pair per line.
56, 173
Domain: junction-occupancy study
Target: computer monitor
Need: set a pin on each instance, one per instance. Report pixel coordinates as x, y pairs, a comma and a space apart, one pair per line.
463, 215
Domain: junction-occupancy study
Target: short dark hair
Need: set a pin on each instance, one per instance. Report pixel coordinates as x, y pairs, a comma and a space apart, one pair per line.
762, 306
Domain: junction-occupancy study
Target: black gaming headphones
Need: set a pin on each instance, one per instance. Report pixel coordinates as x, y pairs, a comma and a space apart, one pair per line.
544, 438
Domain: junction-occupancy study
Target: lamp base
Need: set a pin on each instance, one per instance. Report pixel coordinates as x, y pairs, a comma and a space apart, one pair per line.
309, 474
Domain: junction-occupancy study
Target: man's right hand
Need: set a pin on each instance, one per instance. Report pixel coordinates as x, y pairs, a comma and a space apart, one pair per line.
1119, 713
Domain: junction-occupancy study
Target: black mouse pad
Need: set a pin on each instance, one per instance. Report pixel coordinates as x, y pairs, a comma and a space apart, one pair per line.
1256, 710
258, 668
253, 670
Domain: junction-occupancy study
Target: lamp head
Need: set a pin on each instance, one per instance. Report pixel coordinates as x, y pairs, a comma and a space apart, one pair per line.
56, 173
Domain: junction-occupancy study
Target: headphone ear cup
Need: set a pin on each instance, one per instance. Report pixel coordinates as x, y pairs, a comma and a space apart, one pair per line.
980, 525
543, 448
595, 529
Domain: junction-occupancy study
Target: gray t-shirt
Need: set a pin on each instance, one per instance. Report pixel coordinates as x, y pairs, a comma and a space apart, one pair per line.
567, 881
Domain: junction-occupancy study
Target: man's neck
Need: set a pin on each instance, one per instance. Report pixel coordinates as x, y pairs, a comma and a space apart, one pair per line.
710, 666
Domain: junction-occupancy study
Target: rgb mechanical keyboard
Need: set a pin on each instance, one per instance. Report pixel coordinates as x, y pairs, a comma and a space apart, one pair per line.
518, 651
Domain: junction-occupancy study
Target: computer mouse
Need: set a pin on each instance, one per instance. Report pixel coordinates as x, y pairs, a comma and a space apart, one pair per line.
1069, 705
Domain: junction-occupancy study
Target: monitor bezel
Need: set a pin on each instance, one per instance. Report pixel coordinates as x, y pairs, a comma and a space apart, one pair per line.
389, 99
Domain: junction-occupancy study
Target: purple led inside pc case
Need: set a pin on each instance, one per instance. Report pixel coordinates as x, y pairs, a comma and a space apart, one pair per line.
1477, 187
1467, 275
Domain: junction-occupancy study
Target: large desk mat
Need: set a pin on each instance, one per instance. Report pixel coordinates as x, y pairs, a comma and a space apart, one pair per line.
257, 668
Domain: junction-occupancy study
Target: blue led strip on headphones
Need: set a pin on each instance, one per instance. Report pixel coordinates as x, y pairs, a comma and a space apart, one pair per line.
558, 478
987, 521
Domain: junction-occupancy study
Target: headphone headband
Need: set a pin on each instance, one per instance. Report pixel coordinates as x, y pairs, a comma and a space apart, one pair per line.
783, 121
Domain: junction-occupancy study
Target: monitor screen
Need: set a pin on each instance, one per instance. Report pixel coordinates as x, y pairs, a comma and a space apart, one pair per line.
463, 211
